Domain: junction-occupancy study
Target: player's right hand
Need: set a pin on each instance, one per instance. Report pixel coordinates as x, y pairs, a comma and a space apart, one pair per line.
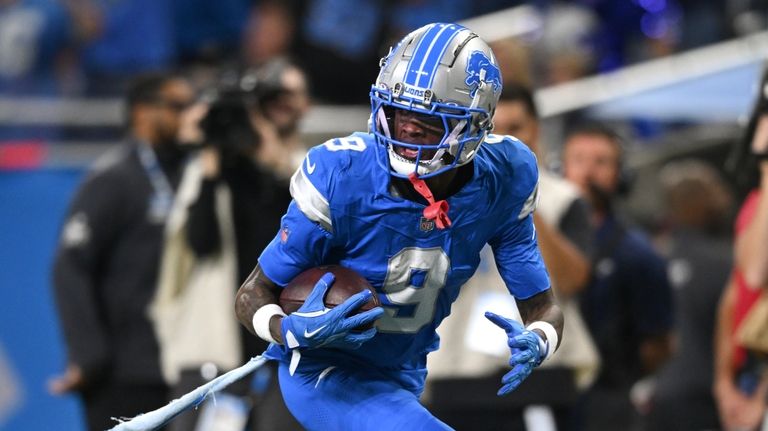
314, 325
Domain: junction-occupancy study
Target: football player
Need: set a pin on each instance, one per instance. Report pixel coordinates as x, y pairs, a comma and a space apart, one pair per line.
409, 205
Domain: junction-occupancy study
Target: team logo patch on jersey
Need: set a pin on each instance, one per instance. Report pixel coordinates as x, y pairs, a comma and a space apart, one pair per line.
480, 69
77, 231
284, 233
426, 225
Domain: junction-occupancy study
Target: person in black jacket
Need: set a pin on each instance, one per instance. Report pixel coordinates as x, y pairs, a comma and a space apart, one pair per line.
107, 260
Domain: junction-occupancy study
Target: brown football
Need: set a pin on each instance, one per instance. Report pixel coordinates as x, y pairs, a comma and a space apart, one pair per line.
347, 283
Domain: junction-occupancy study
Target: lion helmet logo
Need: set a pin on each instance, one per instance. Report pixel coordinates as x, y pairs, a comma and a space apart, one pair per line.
480, 69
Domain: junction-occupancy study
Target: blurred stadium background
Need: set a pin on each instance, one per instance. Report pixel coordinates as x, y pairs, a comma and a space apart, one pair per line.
677, 77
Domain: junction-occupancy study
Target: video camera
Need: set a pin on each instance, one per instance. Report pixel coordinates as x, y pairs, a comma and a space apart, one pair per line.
227, 125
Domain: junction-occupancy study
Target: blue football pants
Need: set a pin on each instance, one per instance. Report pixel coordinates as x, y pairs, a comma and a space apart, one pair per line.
347, 399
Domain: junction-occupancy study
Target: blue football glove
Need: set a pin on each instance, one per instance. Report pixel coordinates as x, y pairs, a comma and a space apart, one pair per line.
525, 349
313, 325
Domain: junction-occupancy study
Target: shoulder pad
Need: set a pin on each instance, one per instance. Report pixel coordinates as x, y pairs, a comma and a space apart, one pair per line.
517, 168
313, 184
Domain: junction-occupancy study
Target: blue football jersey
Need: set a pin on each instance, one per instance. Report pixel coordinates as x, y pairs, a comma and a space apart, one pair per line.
344, 212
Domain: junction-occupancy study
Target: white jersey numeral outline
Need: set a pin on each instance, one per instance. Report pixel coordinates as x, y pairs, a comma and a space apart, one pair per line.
354, 143
399, 290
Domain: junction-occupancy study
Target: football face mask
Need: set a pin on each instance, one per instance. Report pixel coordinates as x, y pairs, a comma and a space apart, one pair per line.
415, 139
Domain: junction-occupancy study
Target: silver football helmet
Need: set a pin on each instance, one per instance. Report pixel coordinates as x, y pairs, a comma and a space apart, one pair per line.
448, 78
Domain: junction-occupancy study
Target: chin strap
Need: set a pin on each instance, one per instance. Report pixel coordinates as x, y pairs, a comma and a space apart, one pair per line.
437, 211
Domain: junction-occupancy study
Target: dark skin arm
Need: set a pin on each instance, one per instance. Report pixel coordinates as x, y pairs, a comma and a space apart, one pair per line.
257, 291
542, 306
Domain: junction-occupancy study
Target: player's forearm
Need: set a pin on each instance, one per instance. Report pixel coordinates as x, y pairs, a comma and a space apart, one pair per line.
542, 307
568, 267
752, 244
256, 292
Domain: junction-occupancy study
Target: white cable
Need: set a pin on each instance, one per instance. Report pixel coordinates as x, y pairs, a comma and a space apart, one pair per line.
156, 418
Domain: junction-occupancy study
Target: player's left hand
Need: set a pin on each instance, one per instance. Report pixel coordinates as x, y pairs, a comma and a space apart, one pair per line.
525, 350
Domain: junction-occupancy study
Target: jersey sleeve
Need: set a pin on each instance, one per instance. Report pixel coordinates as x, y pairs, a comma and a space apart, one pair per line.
307, 229
519, 260
514, 245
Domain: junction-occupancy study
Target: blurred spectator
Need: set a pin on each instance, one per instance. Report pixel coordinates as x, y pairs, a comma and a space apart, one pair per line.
741, 383
34, 39
699, 207
36, 57
564, 234
209, 30
406, 15
629, 31
514, 60
628, 305
132, 37
339, 47
228, 209
107, 262
269, 33
340, 42
703, 22
748, 16
283, 98
566, 49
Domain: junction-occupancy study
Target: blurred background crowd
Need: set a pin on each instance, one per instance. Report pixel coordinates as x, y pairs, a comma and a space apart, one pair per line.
145, 153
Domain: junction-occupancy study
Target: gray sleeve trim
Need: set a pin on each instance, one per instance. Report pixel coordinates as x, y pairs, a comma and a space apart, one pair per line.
313, 204
530, 204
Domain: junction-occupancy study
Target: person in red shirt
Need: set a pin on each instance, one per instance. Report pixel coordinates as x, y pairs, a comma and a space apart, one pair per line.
740, 381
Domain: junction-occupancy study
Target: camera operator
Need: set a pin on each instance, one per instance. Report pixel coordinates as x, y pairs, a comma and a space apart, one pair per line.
282, 95
232, 197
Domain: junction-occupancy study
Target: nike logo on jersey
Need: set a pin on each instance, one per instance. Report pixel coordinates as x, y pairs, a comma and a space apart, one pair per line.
310, 166
310, 334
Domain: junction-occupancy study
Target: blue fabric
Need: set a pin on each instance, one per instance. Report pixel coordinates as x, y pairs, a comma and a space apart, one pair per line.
138, 36
350, 399
348, 27
384, 237
34, 33
205, 24
411, 15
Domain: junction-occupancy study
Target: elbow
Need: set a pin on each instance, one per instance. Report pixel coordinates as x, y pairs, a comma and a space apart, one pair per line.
242, 308
755, 275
